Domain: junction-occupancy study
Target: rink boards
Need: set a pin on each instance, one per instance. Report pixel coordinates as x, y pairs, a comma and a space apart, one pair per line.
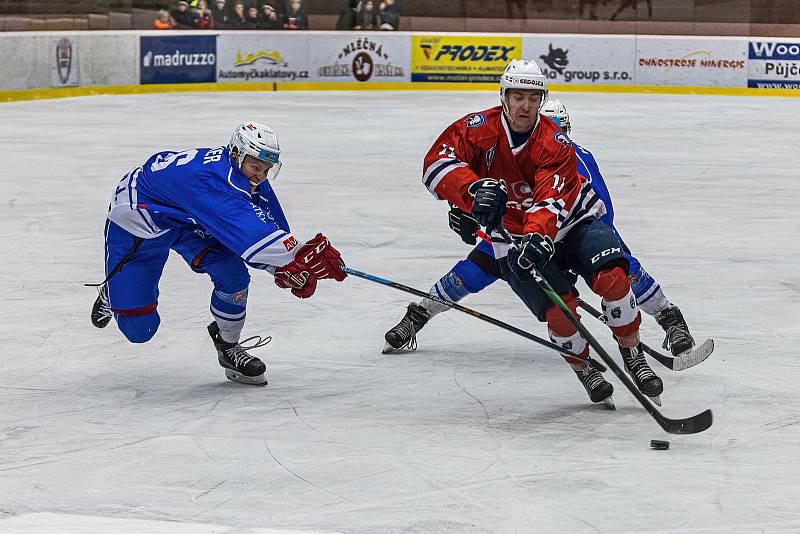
61, 64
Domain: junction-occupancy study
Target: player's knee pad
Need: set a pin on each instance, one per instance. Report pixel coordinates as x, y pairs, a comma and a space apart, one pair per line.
574, 343
557, 323
138, 328
473, 278
619, 304
611, 284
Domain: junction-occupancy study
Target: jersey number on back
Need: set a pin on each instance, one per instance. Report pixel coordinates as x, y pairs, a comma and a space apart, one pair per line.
178, 158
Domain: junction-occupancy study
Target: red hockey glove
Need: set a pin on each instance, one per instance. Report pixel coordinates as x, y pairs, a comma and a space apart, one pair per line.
296, 276
316, 260
322, 259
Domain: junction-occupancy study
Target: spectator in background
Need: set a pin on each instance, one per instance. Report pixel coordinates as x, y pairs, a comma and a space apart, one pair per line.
367, 16
270, 19
389, 15
164, 21
348, 17
296, 16
239, 19
183, 16
203, 19
221, 14
253, 18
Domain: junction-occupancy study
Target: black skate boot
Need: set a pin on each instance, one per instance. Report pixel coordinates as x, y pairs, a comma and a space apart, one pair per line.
678, 339
644, 377
597, 387
101, 310
404, 335
239, 365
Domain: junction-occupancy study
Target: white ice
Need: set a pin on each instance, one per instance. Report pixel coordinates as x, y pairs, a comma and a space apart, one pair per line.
478, 430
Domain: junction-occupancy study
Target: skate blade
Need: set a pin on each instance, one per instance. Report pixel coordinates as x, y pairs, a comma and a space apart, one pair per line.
608, 403
387, 349
234, 376
656, 400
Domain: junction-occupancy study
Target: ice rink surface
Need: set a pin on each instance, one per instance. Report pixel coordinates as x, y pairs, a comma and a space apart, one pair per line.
478, 430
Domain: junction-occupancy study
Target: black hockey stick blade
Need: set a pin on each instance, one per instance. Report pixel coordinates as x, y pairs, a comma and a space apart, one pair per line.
690, 425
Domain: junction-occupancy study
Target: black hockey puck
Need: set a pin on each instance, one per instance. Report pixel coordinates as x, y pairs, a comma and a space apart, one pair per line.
659, 445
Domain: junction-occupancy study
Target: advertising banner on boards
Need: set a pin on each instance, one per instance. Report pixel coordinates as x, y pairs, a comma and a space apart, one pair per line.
64, 67
262, 57
178, 59
773, 63
588, 59
350, 57
462, 58
699, 61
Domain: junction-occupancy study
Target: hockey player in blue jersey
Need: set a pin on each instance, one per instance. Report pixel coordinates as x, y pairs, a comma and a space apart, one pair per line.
215, 207
479, 269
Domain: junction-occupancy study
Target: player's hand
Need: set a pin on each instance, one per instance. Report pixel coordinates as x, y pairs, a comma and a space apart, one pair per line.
315, 260
489, 203
294, 276
463, 224
535, 251
322, 259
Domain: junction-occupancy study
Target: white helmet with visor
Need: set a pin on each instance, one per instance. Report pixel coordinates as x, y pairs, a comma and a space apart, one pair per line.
259, 141
557, 111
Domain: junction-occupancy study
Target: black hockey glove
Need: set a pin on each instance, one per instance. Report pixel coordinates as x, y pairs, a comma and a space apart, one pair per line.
463, 224
535, 251
489, 204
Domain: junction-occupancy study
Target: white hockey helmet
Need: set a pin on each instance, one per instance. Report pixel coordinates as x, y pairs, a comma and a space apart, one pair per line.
557, 111
522, 74
259, 141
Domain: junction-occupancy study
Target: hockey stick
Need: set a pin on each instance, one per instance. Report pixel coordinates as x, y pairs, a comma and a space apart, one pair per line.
690, 358
690, 425
676, 363
469, 311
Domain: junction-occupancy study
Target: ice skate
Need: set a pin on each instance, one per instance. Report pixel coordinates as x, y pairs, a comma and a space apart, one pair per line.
596, 386
404, 334
101, 310
644, 377
677, 340
239, 365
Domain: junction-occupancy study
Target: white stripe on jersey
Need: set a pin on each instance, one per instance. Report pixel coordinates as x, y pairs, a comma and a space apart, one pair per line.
438, 170
254, 248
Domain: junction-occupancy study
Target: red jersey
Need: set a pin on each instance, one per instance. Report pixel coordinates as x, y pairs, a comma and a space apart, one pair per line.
545, 192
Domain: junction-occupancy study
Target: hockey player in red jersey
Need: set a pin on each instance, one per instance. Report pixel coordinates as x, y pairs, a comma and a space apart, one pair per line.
511, 166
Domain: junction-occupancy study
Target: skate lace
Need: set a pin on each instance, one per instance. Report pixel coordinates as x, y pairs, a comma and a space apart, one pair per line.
408, 329
638, 366
238, 353
104, 312
676, 334
592, 377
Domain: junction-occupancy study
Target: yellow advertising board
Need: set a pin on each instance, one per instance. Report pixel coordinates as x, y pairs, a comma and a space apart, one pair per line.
462, 58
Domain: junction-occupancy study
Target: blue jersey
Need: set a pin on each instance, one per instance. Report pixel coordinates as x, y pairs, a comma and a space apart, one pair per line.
202, 189
587, 167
